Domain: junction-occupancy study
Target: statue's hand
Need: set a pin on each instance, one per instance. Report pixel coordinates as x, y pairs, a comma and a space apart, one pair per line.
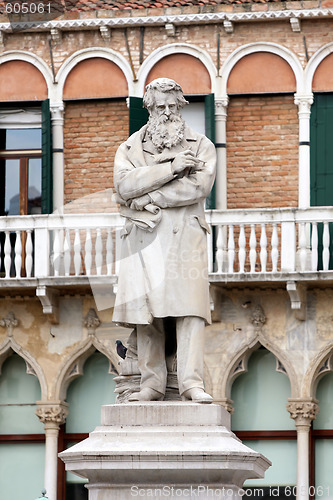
185, 162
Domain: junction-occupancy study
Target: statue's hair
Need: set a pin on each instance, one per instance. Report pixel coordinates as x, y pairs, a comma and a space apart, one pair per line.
163, 85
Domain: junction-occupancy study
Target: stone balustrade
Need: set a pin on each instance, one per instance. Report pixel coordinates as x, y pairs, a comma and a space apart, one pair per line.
257, 244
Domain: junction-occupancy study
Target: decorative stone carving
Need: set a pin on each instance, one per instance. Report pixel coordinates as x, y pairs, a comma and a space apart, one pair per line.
258, 318
228, 26
52, 412
49, 299
170, 29
91, 321
297, 294
9, 322
303, 411
295, 24
105, 32
56, 35
2, 40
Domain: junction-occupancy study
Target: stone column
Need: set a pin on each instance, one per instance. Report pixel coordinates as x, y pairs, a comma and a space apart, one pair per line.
304, 103
221, 105
303, 411
57, 119
52, 414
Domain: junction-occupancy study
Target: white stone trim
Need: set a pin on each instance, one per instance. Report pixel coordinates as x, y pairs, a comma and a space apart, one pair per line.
252, 48
200, 18
313, 64
73, 367
174, 48
21, 55
90, 53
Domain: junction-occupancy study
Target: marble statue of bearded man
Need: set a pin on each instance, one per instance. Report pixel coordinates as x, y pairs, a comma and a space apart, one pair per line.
162, 175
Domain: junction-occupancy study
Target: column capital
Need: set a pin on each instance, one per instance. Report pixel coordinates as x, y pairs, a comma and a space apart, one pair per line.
304, 102
54, 412
57, 110
221, 105
303, 411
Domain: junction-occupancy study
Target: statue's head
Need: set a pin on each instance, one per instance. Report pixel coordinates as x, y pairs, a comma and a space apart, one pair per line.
164, 98
162, 87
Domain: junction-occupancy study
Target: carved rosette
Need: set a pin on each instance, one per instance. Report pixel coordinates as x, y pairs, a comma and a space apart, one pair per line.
55, 413
303, 411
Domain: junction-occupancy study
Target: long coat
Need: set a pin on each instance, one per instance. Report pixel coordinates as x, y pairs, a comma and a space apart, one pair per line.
163, 270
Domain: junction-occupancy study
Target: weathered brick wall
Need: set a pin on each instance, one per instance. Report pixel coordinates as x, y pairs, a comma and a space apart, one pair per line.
262, 152
93, 130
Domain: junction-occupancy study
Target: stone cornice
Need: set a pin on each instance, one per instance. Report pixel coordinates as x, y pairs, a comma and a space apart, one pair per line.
161, 20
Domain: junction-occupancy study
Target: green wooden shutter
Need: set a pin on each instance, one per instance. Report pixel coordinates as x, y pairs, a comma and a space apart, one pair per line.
47, 182
138, 115
210, 133
321, 161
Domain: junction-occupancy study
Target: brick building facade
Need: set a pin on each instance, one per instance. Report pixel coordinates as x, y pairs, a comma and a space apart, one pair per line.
259, 79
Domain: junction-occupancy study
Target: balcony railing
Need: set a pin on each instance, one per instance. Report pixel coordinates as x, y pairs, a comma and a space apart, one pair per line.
243, 244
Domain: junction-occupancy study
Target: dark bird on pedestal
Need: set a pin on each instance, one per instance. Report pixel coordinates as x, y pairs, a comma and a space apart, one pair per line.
121, 349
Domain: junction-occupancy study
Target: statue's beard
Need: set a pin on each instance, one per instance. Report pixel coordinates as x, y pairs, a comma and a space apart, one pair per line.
164, 132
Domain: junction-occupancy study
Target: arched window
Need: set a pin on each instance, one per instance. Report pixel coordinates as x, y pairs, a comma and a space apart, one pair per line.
85, 397
262, 422
323, 439
21, 433
261, 115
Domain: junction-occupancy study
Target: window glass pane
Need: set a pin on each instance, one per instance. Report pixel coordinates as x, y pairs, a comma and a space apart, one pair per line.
24, 138
10, 179
194, 115
18, 395
96, 386
323, 471
21, 471
35, 186
257, 406
283, 455
324, 395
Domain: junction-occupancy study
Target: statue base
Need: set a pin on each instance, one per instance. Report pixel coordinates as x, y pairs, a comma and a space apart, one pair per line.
157, 449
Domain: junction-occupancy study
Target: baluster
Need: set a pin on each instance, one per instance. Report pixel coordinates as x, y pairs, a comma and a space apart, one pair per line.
241, 248
28, 254
77, 252
18, 254
275, 249
302, 246
219, 249
57, 248
67, 252
314, 245
253, 249
8, 259
263, 248
98, 252
326, 244
231, 249
88, 251
109, 251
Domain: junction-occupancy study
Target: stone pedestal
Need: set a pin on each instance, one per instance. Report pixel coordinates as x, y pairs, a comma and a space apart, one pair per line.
158, 449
